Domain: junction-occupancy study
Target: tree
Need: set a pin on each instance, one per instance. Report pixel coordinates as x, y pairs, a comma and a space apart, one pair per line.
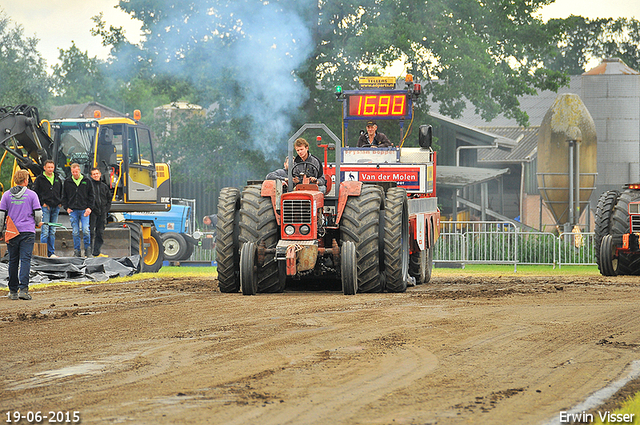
22, 69
78, 78
205, 146
240, 55
488, 53
582, 39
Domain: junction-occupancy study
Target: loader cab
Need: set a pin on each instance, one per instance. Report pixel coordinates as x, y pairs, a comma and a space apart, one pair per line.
73, 142
124, 152
122, 149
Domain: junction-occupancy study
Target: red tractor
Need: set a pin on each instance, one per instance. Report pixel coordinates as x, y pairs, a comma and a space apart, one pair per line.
374, 229
617, 231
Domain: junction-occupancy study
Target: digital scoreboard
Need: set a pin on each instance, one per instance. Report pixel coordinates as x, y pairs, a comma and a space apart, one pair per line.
391, 105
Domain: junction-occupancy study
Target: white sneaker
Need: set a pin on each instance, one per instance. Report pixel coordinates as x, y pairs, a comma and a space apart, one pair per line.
53, 256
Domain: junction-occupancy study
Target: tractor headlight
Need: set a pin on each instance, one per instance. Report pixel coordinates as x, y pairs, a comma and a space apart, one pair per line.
289, 230
305, 229
634, 208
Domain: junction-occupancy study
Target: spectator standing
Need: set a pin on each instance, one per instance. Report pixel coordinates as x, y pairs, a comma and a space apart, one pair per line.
20, 207
48, 186
77, 199
101, 207
210, 220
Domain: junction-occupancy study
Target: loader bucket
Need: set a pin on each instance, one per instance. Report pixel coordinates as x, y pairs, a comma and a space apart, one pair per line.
116, 242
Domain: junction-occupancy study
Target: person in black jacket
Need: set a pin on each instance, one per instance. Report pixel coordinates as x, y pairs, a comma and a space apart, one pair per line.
315, 174
77, 199
101, 207
48, 186
372, 138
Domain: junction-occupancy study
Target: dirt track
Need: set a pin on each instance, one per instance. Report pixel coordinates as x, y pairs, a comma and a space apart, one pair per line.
473, 350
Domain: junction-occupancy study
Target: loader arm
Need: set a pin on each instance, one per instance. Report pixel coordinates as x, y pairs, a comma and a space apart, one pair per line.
32, 146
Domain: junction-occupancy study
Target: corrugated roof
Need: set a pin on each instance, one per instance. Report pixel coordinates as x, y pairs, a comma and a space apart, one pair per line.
478, 134
525, 150
67, 111
536, 106
83, 110
460, 177
612, 66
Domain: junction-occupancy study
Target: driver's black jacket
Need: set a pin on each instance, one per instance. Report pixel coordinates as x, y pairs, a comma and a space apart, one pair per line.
380, 140
50, 194
310, 171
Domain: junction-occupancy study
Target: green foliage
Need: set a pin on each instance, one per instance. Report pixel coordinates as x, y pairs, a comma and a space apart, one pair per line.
266, 67
581, 39
486, 52
77, 78
113, 36
630, 407
203, 147
24, 79
240, 56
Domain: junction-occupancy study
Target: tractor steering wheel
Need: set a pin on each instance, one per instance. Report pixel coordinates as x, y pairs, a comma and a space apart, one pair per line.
306, 165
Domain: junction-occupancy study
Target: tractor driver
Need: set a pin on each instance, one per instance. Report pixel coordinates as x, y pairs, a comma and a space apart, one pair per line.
372, 138
304, 157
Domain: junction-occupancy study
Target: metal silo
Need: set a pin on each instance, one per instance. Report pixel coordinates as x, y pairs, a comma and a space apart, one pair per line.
611, 92
567, 151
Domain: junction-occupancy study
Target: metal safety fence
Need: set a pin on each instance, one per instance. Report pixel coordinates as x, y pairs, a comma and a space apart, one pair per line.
488, 242
491, 242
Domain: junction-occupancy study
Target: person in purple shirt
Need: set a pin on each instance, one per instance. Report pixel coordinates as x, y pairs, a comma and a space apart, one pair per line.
23, 207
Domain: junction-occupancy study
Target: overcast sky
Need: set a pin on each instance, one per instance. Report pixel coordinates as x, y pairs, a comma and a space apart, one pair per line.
57, 22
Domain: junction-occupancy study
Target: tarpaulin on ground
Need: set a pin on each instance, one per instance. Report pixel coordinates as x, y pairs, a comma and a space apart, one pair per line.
73, 269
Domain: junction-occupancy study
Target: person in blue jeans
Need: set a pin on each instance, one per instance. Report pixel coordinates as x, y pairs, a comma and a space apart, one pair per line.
22, 207
77, 200
48, 186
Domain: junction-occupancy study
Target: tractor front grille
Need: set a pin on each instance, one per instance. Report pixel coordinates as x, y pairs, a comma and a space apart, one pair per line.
635, 223
296, 211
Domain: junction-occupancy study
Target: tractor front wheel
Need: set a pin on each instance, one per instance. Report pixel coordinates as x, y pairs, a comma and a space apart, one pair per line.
604, 211
258, 225
249, 269
608, 260
420, 265
361, 224
349, 268
227, 245
396, 240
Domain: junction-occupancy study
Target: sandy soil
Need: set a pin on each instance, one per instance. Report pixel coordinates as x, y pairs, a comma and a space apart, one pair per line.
498, 350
